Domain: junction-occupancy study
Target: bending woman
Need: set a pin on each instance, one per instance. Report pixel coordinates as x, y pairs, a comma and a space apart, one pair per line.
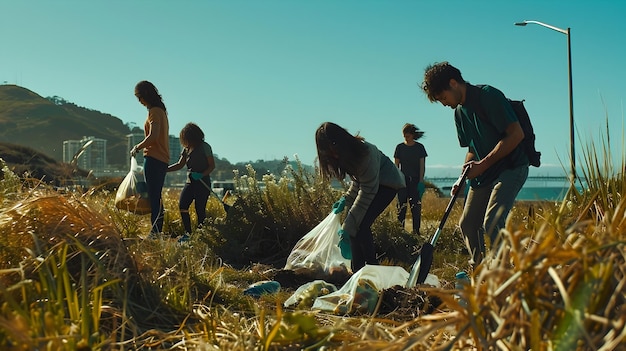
375, 182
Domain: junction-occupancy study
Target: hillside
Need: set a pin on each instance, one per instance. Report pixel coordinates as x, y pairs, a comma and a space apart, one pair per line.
23, 160
39, 123
31, 124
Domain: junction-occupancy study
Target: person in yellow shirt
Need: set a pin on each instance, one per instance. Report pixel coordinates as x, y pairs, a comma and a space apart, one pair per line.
156, 150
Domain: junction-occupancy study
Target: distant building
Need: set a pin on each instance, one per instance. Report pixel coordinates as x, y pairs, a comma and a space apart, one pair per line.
92, 157
70, 148
177, 178
175, 148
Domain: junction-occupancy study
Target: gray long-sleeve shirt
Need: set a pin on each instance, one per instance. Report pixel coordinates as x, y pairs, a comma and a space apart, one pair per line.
375, 170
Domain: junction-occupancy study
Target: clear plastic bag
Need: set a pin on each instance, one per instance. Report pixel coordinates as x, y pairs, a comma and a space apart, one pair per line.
132, 194
317, 251
306, 294
360, 294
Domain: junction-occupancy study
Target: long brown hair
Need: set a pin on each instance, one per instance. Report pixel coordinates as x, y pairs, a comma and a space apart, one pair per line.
338, 152
149, 93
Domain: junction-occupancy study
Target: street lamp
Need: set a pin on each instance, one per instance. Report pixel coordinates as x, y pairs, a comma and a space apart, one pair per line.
571, 96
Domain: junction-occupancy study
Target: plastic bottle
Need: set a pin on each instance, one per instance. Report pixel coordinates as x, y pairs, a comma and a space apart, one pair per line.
461, 280
263, 287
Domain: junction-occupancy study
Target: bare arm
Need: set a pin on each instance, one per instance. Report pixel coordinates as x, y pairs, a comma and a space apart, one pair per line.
178, 165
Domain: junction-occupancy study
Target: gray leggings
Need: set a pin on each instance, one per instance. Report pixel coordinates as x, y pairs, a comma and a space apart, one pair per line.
486, 209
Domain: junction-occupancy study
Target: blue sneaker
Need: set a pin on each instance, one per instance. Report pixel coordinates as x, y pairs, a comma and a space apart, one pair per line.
184, 239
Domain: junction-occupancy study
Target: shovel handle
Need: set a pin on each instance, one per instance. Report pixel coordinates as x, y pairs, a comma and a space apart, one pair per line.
446, 214
226, 207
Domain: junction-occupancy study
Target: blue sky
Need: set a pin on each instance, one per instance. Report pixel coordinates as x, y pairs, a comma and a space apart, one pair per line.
260, 76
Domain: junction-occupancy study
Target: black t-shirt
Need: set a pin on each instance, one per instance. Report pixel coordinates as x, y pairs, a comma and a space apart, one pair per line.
196, 160
410, 157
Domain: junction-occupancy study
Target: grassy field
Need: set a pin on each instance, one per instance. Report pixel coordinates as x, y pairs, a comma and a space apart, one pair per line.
76, 273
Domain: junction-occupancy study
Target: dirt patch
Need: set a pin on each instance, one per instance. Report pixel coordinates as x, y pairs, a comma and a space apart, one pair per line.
403, 304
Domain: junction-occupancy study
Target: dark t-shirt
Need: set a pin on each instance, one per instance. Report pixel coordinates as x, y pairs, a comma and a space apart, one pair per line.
196, 160
481, 133
409, 157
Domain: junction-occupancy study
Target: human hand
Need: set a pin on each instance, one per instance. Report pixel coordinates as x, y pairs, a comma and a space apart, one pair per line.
196, 175
344, 245
133, 151
459, 182
455, 187
339, 205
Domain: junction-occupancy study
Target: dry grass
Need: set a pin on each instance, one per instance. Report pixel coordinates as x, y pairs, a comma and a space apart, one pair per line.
77, 275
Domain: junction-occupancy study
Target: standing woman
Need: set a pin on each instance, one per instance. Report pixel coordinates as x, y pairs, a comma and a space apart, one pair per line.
198, 156
410, 158
156, 150
375, 181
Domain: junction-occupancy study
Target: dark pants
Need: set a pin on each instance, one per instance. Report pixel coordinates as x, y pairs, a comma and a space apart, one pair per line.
154, 172
197, 193
362, 245
410, 194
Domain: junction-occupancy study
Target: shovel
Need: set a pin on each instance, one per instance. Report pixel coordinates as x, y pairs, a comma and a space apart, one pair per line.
226, 207
421, 267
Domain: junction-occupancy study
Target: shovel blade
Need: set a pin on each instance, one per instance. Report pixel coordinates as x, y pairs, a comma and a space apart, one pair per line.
421, 267
427, 261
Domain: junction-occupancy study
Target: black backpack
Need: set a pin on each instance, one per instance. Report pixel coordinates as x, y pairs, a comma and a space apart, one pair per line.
528, 143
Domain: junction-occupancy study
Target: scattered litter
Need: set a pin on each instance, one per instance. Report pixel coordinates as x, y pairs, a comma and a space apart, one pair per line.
263, 287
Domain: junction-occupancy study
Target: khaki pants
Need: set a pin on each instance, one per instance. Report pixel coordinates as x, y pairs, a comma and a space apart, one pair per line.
486, 209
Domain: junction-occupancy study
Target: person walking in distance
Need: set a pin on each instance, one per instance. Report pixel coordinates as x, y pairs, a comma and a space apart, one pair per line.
197, 155
497, 168
410, 158
375, 182
156, 151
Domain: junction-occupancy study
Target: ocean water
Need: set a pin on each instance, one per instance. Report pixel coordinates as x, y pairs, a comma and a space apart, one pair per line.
542, 193
535, 188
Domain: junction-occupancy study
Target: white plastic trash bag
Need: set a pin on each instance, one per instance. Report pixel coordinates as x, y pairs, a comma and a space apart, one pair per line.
360, 293
318, 252
132, 194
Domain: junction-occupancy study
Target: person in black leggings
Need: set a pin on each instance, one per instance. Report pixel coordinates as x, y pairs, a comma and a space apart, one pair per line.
198, 156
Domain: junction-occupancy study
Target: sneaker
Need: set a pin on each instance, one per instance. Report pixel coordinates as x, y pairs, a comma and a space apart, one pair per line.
184, 239
153, 236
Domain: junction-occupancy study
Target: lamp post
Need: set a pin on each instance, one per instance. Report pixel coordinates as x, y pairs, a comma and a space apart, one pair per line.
571, 96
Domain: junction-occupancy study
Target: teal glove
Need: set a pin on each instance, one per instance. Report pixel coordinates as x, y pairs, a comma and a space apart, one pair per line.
339, 205
344, 245
196, 175
421, 188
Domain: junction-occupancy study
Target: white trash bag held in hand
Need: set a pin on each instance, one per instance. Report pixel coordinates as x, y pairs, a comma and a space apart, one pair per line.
132, 194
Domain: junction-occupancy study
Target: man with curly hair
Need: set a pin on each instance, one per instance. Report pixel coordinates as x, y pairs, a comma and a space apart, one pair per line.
497, 168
